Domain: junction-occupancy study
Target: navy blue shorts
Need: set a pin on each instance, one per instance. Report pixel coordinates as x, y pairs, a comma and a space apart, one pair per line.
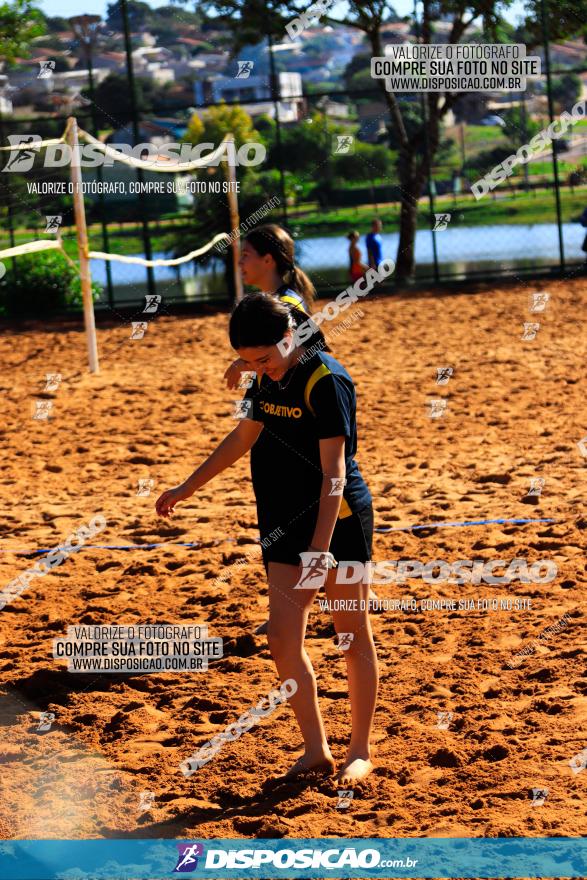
352, 540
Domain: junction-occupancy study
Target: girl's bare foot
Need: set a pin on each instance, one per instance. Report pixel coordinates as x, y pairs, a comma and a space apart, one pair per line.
322, 764
354, 770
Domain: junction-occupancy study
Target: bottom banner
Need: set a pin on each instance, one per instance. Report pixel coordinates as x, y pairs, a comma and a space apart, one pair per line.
313, 858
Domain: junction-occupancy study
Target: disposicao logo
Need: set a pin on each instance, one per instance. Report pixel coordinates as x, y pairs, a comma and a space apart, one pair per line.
187, 860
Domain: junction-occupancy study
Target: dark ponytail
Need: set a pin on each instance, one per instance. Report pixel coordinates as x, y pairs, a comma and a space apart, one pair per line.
260, 319
273, 240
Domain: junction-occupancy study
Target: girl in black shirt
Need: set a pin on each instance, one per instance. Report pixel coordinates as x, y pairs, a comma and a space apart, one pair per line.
310, 493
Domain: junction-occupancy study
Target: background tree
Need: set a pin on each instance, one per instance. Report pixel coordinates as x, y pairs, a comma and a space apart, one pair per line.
210, 214
20, 22
112, 99
211, 125
519, 128
252, 20
245, 17
566, 90
138, 13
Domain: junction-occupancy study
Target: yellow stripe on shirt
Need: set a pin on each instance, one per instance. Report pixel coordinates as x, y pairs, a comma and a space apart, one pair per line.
318, 374
294, 302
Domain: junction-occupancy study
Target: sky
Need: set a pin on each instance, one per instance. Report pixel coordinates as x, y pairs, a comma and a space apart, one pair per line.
66, 8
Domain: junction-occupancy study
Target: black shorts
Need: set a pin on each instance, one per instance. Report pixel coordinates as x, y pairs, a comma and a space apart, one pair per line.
352, 540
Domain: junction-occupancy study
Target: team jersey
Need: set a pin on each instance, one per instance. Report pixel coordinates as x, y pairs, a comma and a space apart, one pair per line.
289, 296
317, 401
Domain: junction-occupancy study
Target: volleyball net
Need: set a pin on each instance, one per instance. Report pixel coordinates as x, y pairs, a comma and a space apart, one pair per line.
162, 164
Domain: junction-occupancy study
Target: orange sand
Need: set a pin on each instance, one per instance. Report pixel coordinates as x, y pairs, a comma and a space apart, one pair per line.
515, 411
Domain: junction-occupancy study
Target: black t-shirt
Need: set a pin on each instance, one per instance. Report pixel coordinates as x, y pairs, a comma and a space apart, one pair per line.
317, 401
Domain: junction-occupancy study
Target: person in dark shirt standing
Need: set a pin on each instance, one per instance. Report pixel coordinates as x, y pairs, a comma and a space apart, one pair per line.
374, 243
311, 494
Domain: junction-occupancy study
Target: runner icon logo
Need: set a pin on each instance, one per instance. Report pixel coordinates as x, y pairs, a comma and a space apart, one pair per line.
187, 860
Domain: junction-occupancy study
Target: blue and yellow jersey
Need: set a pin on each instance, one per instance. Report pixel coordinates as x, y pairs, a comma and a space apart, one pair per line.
289, 296
317, 401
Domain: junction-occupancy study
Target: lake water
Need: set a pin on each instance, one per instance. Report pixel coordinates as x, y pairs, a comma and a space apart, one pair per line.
461, 251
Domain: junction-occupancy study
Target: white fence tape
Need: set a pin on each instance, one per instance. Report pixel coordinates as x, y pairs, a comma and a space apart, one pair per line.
99, 255
34, 145
153, 164
30, 247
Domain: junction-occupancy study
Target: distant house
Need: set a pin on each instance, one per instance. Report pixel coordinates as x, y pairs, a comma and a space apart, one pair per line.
5, 102
110, 60
74, 80
314, 68
152, 62
250, 89
373, 118
154, 131
397, 32
568, 54
333, 109
214, 62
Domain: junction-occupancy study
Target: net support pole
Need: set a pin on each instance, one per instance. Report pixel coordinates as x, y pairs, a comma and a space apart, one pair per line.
234, 225
79, 214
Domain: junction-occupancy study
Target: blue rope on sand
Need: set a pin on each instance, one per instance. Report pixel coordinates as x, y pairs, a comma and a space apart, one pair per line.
471, 522
380, 529
109, 547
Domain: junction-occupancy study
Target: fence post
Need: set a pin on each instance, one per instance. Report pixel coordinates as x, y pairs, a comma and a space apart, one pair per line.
9, 205
275, 96
82, 245
136, 137
234, 225
551, 116
430, 191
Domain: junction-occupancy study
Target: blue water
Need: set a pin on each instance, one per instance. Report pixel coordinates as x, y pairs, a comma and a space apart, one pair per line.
460, 251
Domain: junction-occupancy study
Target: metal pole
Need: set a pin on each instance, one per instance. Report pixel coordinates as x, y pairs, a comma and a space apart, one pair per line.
234, 225
135, 129
100, 176
551, 115
9, 205
275, 96
82, 245
524, 121
428, 168
430, 192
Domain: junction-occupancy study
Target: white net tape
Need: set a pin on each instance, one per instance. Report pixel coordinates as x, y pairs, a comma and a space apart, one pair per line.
159, 164
30, 248
34, 145
149, 165
33, 246
99, 255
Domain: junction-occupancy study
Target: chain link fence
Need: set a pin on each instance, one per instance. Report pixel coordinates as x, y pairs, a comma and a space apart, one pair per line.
335, 170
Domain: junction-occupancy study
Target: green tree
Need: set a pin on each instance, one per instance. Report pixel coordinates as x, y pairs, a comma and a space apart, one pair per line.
566, 90
246, 17
519, 128
210, 213
112, 99
252, 20
20, 23
138, 13
357, 74
563, 21
211, 125
304, 146
366, 163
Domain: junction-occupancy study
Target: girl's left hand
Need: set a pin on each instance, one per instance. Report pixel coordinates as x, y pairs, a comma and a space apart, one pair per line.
167, 501
233, 374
